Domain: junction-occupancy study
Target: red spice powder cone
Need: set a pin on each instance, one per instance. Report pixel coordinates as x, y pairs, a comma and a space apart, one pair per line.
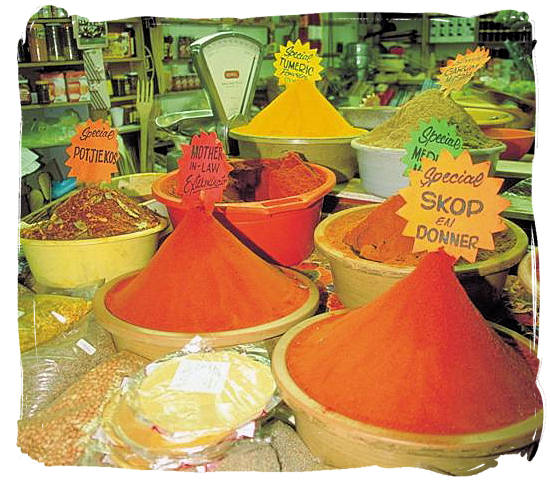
420, 358
203, 279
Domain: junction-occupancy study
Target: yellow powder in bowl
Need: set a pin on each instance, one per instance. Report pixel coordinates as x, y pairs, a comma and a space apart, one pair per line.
301, 111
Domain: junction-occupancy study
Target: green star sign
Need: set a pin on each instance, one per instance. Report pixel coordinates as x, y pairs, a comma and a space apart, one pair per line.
428, 140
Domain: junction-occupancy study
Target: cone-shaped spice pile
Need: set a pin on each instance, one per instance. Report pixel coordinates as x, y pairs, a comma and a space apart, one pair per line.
203, 279
419, 359
301, 111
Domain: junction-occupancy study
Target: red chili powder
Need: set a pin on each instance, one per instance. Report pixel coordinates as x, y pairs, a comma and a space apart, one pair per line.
203, 279
286, 177
420, 358
379, 237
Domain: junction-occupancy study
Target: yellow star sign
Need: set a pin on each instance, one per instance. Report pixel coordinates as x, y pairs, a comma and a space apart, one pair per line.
296, 61
459, 72
453, 204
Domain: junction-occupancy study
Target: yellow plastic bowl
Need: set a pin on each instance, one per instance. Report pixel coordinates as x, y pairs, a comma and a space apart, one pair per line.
79, 263
488, 117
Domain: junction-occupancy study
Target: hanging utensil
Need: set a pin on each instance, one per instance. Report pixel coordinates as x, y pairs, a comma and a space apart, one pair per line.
144, 104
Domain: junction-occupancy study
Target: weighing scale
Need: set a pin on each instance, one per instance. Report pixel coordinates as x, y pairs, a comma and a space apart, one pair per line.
228, 65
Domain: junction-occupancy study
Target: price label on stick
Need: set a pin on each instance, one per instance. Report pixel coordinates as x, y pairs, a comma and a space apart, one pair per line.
296, 61
459, 72
428, 140
454, 204
93, 153
203, 171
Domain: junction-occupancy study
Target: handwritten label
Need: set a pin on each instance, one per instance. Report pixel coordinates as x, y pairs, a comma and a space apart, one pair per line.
454, 204
428, 140
93, 153
203, 170
199, 376
296, 61
459, 72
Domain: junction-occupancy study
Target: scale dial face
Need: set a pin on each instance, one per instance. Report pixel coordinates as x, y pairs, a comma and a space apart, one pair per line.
232, 63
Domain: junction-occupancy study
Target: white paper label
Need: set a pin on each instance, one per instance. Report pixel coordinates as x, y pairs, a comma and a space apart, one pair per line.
198, 376
59, 317
84, 345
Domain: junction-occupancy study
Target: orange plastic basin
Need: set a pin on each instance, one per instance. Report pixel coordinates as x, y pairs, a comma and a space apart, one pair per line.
518, 142
279, 230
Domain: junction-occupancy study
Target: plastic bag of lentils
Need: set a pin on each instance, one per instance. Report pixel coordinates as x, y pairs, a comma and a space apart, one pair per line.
51, 368
57, 435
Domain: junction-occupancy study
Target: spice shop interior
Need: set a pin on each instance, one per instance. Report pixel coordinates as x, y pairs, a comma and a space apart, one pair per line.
162, 326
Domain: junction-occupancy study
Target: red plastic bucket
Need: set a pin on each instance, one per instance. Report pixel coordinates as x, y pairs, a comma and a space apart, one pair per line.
281, 230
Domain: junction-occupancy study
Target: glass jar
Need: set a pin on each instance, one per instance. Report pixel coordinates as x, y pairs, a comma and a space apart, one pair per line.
132, 82
54, 42
24, 91
58, 12
38, 48
120, 85
70, 50
183, 47
43, 91
168, 42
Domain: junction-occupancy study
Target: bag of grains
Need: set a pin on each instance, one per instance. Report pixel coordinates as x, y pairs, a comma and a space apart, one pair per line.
43, 317
51, 368
58, 434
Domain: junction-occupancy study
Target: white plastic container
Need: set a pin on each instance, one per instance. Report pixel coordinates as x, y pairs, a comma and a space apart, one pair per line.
381, 169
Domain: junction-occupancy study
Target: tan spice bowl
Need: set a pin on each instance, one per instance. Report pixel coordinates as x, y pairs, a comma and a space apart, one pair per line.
358, 281
341, 442
153, 344
334, 153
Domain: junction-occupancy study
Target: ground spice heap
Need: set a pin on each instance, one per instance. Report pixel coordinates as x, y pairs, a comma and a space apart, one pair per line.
202, 279
301, 111
267, 179
378, 237
93, 212
420, 358
396, 131
286, 177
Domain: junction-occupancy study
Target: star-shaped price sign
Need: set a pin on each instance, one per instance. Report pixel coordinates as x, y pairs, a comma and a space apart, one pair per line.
459, 72
203, 171
296, 61
454, 204
93, 153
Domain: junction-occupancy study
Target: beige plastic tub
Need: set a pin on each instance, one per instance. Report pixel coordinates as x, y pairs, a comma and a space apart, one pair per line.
358, 281
154, 344
333, 153
341, 442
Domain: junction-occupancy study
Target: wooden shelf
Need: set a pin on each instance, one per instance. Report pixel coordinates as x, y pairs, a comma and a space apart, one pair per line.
38, 106
50, 64
123, 60
128, 129
51, 20
126, 98
32, 146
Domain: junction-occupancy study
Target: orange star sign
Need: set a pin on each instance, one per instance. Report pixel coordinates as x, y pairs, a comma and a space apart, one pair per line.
93, 153
459, 72
454, 204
